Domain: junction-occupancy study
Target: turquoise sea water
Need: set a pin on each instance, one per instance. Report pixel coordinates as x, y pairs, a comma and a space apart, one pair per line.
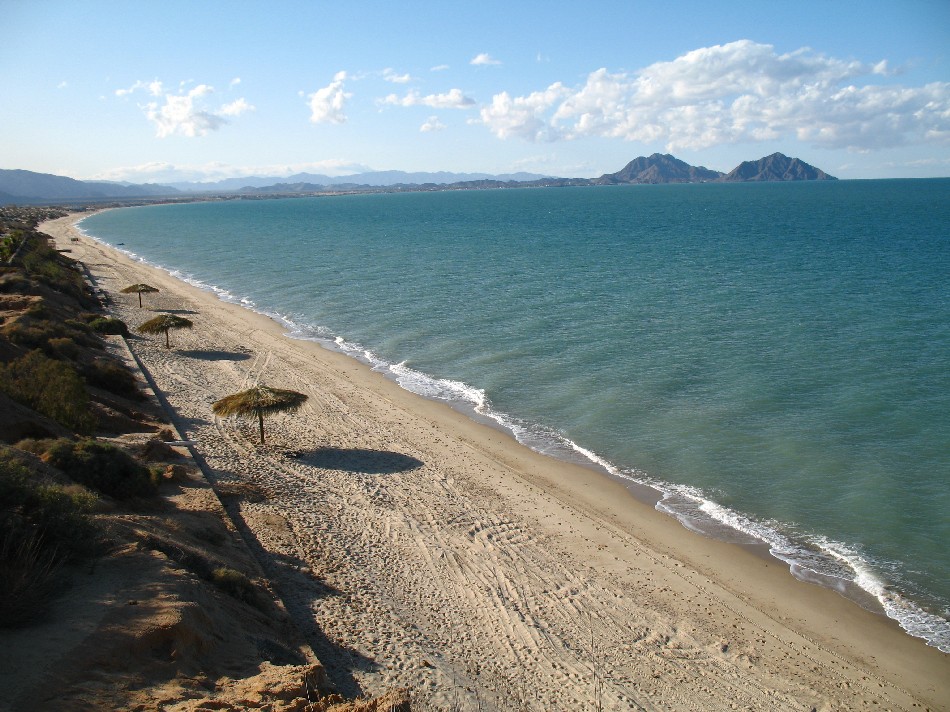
774, 358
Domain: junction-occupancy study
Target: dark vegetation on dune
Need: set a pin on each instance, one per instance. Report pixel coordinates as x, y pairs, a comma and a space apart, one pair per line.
59, 387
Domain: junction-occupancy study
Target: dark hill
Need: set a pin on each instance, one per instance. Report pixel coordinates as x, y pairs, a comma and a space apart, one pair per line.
777, 167
658, 168
29, 187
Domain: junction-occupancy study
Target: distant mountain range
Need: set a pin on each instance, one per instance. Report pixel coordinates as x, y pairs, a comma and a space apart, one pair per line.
373, 179
24, 187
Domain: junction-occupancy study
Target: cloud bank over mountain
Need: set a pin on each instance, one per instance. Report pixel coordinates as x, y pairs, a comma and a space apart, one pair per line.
738, 92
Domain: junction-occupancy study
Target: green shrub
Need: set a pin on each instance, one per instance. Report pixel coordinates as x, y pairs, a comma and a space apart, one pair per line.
63, 347
76, 325
37, 333
102, 467
37, 310
110, 376
50, 387
9, 244
109, 325
15, 283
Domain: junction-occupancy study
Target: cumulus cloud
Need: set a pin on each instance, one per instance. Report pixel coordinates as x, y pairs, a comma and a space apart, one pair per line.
326, 104
524, 116
234, 82
235, 108
439, 68
184, 113
484, 60
432, 124
390, 76
181, 115
453, 99
741, 91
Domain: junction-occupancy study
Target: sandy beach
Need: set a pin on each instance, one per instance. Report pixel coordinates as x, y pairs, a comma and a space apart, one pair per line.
414, 547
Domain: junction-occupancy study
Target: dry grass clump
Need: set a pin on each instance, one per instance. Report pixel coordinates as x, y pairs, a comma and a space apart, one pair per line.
42, 527
238, 586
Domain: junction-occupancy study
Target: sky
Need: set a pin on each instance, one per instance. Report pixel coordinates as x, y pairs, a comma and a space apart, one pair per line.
204, 90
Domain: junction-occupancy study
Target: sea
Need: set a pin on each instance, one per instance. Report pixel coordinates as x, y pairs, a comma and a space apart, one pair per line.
773, 359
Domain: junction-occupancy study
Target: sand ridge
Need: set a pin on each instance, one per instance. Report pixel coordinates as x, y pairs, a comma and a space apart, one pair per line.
414, 547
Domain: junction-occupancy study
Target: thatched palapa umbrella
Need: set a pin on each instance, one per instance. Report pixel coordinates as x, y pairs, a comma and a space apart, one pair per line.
258, 401
163, 323
139, 289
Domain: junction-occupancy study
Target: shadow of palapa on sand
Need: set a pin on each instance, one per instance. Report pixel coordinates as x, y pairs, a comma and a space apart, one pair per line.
370, 462
176, 311
212, 355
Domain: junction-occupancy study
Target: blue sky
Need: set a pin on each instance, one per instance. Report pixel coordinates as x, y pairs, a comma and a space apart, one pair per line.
206, 90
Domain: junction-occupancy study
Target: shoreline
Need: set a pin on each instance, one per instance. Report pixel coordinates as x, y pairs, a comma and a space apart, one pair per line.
590, 520
828, 563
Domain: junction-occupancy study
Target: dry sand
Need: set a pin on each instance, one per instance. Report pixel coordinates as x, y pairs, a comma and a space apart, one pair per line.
415, 547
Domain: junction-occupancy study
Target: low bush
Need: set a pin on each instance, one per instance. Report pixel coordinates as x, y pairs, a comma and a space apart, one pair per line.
110, 376
15, 283
101, 467
63, 347
50, 387
9, 244
109, 325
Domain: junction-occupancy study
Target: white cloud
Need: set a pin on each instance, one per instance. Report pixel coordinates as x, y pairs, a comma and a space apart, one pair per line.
235, 108
62, 85
742, 91
326, 104
454, 99
523, 116
181, 115
234, 82
184, 113
153, 87
432, 124
484, 59
439, 68
390, 76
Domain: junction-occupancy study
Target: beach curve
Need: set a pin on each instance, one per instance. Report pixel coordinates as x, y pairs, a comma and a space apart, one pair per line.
451, 558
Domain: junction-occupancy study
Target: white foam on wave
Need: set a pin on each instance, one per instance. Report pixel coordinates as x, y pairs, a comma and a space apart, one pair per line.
816, 559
